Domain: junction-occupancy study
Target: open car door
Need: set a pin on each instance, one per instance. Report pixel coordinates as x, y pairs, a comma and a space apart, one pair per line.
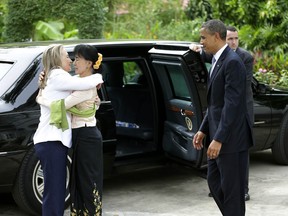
182, 76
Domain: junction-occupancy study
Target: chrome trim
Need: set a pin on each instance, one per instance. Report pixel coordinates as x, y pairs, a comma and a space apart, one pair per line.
260, 122
110, 140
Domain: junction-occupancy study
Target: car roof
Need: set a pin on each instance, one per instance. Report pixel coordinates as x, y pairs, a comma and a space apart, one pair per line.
97, 42
23, 53
16, 51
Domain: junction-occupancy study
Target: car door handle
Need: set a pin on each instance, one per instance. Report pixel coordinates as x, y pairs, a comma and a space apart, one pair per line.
186, 112
259, 122
182, 111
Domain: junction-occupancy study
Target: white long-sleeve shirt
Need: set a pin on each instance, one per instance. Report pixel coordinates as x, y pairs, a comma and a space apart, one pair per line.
60, 84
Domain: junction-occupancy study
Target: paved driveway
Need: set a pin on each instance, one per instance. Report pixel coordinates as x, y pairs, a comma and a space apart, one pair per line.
178, 191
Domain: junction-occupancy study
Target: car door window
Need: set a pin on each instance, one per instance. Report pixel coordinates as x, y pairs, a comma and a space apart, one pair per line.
132, 72
178, 83
4, 68
25, 89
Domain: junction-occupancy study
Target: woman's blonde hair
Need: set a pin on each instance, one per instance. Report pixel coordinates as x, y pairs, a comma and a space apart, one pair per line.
51, 59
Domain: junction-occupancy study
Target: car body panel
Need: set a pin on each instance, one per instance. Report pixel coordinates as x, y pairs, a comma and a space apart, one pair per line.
270, 105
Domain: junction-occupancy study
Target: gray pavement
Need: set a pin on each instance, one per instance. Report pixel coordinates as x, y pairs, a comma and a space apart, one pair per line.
179, 191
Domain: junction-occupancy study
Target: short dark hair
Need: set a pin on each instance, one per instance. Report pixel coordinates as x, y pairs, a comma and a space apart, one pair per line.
213, 26
88, 52
231, 28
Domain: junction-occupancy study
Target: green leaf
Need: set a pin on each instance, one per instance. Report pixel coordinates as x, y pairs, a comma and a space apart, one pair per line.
49, 30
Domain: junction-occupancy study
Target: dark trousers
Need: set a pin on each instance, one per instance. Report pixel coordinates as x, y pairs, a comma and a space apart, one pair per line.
247, 176
53, 157
226, 180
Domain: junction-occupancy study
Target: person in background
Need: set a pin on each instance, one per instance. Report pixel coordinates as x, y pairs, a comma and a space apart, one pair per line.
52, 139
87, 161
226, 122
232, 40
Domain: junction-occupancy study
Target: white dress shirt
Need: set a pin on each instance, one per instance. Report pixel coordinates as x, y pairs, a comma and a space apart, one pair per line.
217, 56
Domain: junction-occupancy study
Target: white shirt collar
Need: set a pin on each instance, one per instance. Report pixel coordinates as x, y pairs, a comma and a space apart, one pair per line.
218, 54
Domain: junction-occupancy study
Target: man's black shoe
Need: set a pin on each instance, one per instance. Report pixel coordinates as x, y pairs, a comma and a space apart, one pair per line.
247, 197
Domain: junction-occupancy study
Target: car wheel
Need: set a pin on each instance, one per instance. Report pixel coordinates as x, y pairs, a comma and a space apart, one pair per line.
29, 185
280, 147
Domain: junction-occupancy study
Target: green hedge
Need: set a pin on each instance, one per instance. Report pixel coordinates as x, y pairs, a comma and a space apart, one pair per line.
22, 17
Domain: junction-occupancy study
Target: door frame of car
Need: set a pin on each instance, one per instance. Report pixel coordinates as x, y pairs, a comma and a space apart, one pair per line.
182, 76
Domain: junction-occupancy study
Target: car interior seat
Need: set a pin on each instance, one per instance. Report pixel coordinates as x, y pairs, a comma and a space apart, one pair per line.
132, 105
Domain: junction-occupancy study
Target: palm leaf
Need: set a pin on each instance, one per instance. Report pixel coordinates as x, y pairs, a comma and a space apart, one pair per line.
49, 30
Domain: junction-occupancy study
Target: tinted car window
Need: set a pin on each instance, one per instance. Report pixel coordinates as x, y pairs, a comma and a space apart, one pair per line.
26, 87
4, 68
132, 72
178, 82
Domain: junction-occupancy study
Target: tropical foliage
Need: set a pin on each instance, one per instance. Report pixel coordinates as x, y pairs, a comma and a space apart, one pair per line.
155, 20
262, 24
52, 30
49, 20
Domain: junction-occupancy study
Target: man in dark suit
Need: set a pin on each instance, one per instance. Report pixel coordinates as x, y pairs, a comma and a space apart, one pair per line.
226, 122
232, 39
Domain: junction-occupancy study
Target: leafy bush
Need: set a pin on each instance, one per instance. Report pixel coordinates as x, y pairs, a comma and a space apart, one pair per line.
20, 19
53, 31
181, 30
271, 67
23, 18
262, 24
155, 20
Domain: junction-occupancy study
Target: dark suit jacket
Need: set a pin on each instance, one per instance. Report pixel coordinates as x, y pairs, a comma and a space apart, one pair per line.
227, 119
248, 61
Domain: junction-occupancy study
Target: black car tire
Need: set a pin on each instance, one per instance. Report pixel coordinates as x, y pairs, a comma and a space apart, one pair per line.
280, 147
29, 184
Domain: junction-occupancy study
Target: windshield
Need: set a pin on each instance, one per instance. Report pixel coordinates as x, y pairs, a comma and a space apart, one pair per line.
4, 68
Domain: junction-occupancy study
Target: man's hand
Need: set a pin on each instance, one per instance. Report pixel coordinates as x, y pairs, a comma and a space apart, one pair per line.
214, 149
195, 47
198, 140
